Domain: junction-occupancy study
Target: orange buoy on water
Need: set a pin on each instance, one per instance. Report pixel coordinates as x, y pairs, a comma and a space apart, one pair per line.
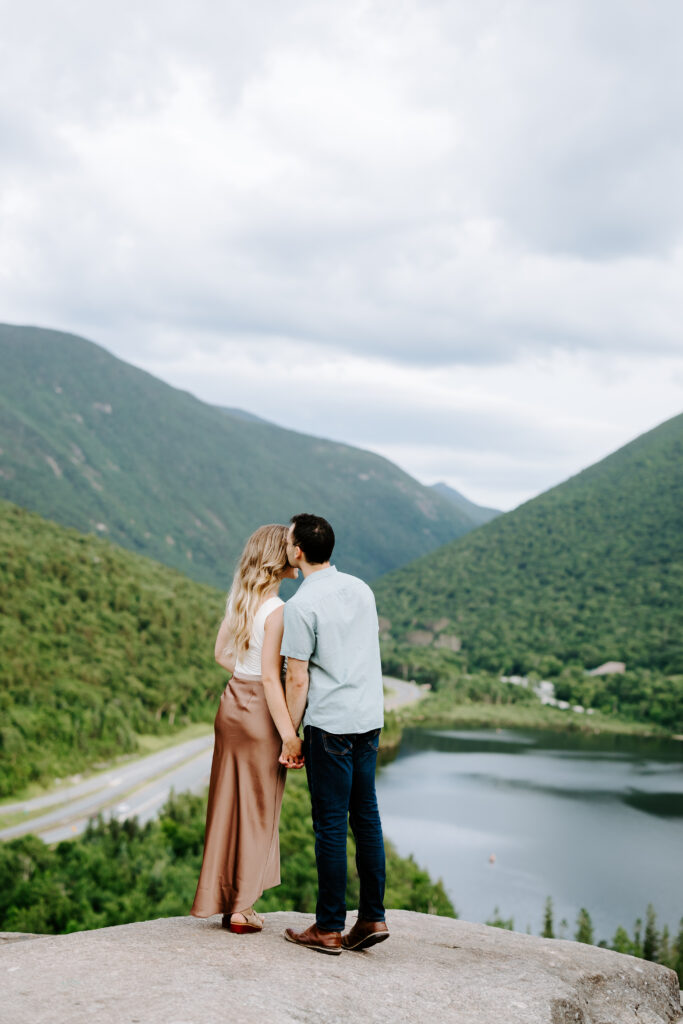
492, 859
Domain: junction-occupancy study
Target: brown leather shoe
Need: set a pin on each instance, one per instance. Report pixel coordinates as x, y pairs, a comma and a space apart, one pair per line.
313, 938
365, 934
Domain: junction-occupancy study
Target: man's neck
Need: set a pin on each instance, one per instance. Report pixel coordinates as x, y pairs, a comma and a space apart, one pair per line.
307, 569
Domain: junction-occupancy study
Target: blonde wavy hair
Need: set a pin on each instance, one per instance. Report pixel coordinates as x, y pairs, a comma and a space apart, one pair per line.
262, 565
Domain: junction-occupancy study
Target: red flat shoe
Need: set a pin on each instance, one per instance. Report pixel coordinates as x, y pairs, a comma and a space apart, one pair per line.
252, 923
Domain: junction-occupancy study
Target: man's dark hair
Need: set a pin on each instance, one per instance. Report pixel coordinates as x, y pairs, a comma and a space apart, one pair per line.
314, 536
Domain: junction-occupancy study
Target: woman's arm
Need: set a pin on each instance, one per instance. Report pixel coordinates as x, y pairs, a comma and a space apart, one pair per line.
225, 658
271, 668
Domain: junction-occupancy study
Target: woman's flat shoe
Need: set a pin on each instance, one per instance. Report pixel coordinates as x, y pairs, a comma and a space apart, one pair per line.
252, 923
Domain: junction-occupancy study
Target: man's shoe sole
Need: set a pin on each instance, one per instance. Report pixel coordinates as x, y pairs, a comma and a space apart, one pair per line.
317, 949
369, 940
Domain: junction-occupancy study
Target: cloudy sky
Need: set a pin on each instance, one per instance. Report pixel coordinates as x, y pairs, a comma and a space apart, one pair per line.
450, 232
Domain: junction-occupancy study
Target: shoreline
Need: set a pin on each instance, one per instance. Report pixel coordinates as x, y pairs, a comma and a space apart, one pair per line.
504, 716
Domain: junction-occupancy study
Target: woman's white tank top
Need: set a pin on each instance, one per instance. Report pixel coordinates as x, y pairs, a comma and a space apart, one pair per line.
248, 667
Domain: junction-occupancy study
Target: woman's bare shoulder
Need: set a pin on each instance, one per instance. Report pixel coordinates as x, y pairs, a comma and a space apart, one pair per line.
274, 618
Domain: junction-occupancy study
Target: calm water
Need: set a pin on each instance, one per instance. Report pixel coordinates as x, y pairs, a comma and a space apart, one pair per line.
593, 821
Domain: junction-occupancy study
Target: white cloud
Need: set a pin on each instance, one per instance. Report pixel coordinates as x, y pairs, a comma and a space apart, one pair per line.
426, 203
499, 434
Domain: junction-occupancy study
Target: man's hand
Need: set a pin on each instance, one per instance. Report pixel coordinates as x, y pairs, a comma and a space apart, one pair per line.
291, 755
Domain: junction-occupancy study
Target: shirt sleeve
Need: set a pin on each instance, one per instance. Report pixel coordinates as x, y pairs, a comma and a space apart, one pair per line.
298, 638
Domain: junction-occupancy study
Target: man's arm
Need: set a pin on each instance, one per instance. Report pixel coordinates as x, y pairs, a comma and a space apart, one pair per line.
296, 689
298, 644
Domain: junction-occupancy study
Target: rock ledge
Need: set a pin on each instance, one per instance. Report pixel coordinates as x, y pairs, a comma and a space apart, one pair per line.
185, 971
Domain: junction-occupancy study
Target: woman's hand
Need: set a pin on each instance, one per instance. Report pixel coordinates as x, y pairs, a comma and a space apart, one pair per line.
291, 755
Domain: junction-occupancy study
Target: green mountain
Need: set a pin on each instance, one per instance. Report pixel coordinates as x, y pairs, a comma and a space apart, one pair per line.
96, 644
94, 443
588, 572
477, 513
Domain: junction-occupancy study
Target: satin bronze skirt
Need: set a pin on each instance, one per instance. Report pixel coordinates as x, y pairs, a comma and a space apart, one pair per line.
241, 843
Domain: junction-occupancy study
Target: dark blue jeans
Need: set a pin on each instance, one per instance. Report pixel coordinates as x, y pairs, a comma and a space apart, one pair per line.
341, 778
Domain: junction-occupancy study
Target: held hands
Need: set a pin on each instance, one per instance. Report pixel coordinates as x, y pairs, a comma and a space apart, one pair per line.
291, 755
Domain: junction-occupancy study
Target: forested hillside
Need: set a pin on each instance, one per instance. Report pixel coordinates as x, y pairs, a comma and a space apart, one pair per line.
478, 513
588, 572
92, 442
96, 644
117, 873
122, 872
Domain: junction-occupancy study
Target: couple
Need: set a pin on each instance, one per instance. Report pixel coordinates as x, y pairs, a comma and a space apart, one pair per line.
328, 633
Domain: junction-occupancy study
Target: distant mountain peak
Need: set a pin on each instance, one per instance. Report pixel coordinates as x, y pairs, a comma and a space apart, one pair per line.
478, 513
92, 442
591, 571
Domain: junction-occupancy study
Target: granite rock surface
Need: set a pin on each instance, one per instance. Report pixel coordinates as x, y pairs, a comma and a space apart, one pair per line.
186, 971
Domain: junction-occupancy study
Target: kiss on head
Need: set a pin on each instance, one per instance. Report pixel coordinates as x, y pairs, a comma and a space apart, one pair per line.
324, 641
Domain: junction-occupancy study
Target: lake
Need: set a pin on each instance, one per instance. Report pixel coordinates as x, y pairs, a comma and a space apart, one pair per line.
508, 817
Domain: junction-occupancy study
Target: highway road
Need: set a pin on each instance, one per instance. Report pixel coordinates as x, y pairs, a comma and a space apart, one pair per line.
137, 788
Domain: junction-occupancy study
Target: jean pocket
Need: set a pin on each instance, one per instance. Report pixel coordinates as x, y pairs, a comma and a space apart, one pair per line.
373, 739
340, 746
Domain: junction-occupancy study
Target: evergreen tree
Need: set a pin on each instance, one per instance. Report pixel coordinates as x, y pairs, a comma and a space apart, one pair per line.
665, 946
651, 939
622, 943
497, 921
678, 961
584, 928
548, 931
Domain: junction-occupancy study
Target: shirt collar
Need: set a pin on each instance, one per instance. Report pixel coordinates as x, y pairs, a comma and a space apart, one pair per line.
324, 573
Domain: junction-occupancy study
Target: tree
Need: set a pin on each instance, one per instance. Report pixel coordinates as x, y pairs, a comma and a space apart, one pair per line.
678, 962
584, 928
118, 872
507, 923
621, 943
548, 931
651, 938
664, 946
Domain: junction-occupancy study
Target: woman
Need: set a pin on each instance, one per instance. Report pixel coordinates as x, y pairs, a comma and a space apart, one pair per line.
241, 843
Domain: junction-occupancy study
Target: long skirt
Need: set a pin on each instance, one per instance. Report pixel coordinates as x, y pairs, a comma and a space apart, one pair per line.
241, 843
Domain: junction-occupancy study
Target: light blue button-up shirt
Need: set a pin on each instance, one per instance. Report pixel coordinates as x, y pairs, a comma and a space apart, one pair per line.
331, 622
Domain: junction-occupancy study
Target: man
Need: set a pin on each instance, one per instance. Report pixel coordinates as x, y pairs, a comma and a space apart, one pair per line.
334, 675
